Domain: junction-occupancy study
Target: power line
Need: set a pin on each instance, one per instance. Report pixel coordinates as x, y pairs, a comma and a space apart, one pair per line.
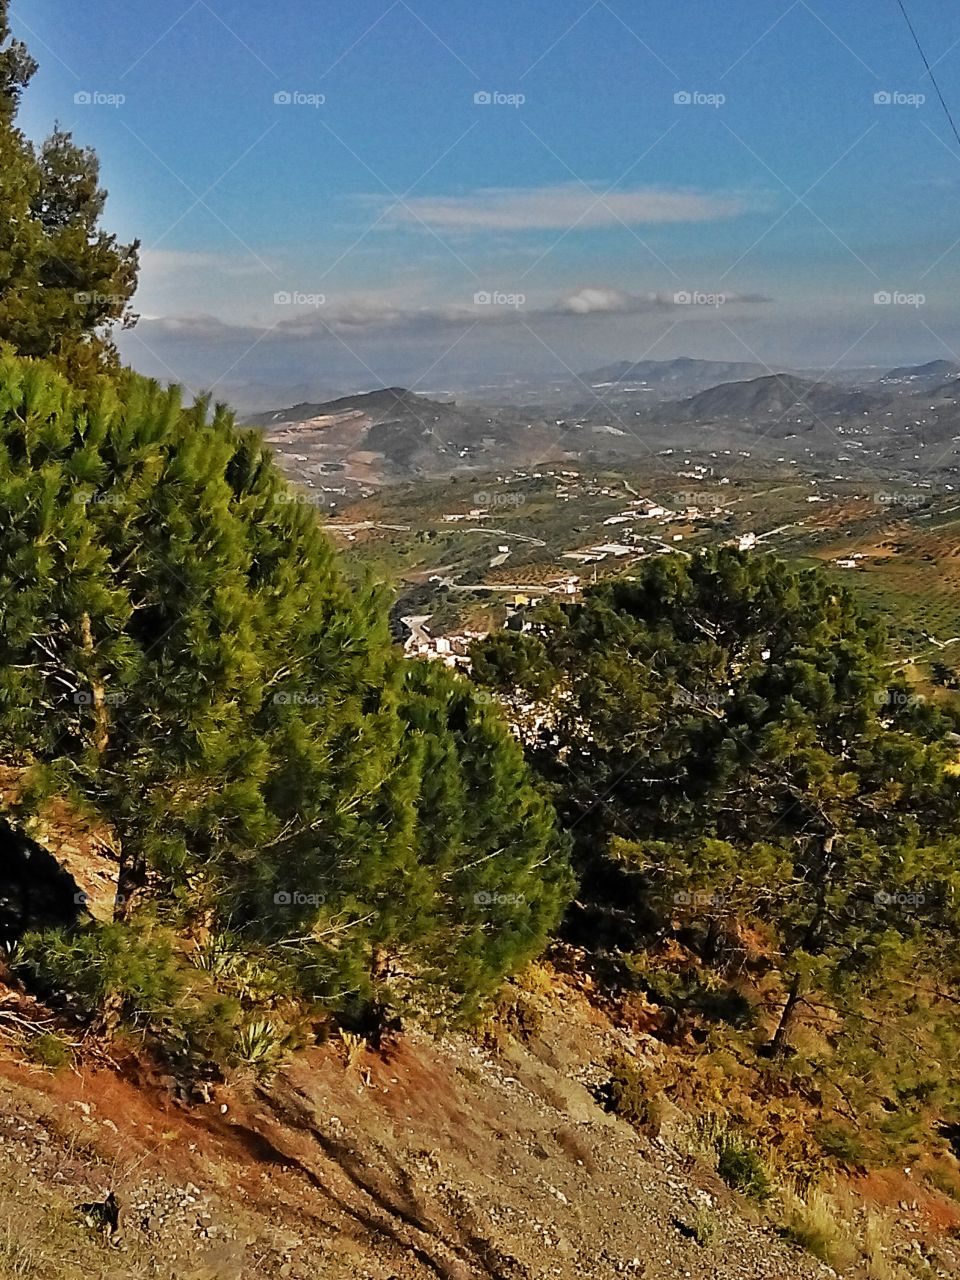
933, 79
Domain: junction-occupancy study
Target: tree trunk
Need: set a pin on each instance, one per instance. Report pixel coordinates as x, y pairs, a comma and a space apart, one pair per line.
812, 935
101, 717
780, 1039
711, 942
131, 879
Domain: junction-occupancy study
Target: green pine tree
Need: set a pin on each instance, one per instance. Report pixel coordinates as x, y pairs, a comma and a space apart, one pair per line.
64, 281
180, 655
726, 745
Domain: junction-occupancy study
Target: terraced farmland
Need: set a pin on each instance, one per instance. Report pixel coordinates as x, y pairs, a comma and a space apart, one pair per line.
910, 577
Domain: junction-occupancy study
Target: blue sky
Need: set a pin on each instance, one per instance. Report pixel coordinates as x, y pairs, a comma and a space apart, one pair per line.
382, 198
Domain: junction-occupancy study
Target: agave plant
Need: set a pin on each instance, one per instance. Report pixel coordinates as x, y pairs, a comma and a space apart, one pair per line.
260, 1044
215, 956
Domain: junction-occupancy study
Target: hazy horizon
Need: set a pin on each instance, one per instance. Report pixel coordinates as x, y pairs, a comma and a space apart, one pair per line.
419, 194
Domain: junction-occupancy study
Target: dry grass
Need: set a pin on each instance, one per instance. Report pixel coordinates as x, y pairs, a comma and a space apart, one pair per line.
42, 1238
877, 1238
819, 1223
354, 1047
827, 1223
538, 978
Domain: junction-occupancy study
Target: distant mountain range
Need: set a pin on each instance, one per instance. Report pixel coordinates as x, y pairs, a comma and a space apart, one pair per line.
685, 377
783, 395
935, 375
616, 412
670, 379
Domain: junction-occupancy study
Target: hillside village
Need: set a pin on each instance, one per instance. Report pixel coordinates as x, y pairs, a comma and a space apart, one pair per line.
488, 550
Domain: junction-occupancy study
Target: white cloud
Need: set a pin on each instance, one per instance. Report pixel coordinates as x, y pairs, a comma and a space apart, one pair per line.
374, 317
171, 266
594, 300
561, 207
590, 300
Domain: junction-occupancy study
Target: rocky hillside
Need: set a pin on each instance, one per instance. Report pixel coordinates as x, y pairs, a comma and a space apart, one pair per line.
382, 437
455, 1158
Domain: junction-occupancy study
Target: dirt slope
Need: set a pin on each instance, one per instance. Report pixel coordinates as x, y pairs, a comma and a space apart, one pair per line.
439, 1159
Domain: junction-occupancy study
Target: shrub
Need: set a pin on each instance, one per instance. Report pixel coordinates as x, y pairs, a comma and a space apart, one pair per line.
201, 1033
841, 1143
131, 976
261, 1044
703, 1226
741, 1167
107, 969
253, 975
537, 978
629, 1096
943, 1176
353, 1047
49, 1050
519, 1015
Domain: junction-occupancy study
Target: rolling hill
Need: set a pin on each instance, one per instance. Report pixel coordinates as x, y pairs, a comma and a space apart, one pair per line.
670, 379
781, 396
391, 435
